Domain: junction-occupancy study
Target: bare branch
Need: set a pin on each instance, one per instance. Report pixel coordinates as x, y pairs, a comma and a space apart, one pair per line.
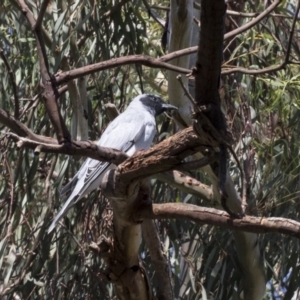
227, 36
252, 23
22, 130
41, 15
149, 61
211, 216
152, 14
50, 92
81, 148
187, 184
273, 68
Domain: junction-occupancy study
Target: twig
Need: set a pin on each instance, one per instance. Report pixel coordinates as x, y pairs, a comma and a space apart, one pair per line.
165, 8
252, 23
152, 14
186, 92
274, 68
288, 51
227, 36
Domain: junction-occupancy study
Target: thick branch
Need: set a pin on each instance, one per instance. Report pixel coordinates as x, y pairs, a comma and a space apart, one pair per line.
162, 157
205, 215
210, 52
127, 275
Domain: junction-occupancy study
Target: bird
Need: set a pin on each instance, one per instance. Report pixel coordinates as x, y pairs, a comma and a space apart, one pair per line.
131, 131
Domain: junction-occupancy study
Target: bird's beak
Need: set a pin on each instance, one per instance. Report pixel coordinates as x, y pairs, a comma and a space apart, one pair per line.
169, 107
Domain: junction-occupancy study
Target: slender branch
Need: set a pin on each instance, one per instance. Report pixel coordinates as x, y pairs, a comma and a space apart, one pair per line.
43, 61
82, 148
186, 92
13, 82
252, 23
50, 93
187, 184
48, 186
39, 20
21, 129
152, 14
227, 36
288, 51
116, 62
211, 216
274, 68
229, 12
254, 15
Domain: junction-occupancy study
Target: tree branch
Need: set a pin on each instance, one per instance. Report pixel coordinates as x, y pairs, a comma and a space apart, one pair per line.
186, 184
211, 216
22, 130
50, 93
149, 61
39, 20
81, 148
274, 68
227, 36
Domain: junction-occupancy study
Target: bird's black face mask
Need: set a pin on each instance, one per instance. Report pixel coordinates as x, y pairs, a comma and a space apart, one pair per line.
157, 104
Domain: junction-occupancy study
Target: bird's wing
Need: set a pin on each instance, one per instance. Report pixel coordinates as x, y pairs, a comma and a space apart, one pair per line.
69, 187
122, 134
121, 138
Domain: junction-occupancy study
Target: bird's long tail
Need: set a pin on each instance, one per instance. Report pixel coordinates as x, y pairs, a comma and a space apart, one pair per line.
69, 203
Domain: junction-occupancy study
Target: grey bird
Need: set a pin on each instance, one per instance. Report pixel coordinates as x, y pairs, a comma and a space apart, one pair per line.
131, 131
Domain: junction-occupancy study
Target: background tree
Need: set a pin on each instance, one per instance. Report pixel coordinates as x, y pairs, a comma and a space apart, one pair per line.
103, 54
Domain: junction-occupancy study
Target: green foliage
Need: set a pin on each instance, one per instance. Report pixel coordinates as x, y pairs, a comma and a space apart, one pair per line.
264, 110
